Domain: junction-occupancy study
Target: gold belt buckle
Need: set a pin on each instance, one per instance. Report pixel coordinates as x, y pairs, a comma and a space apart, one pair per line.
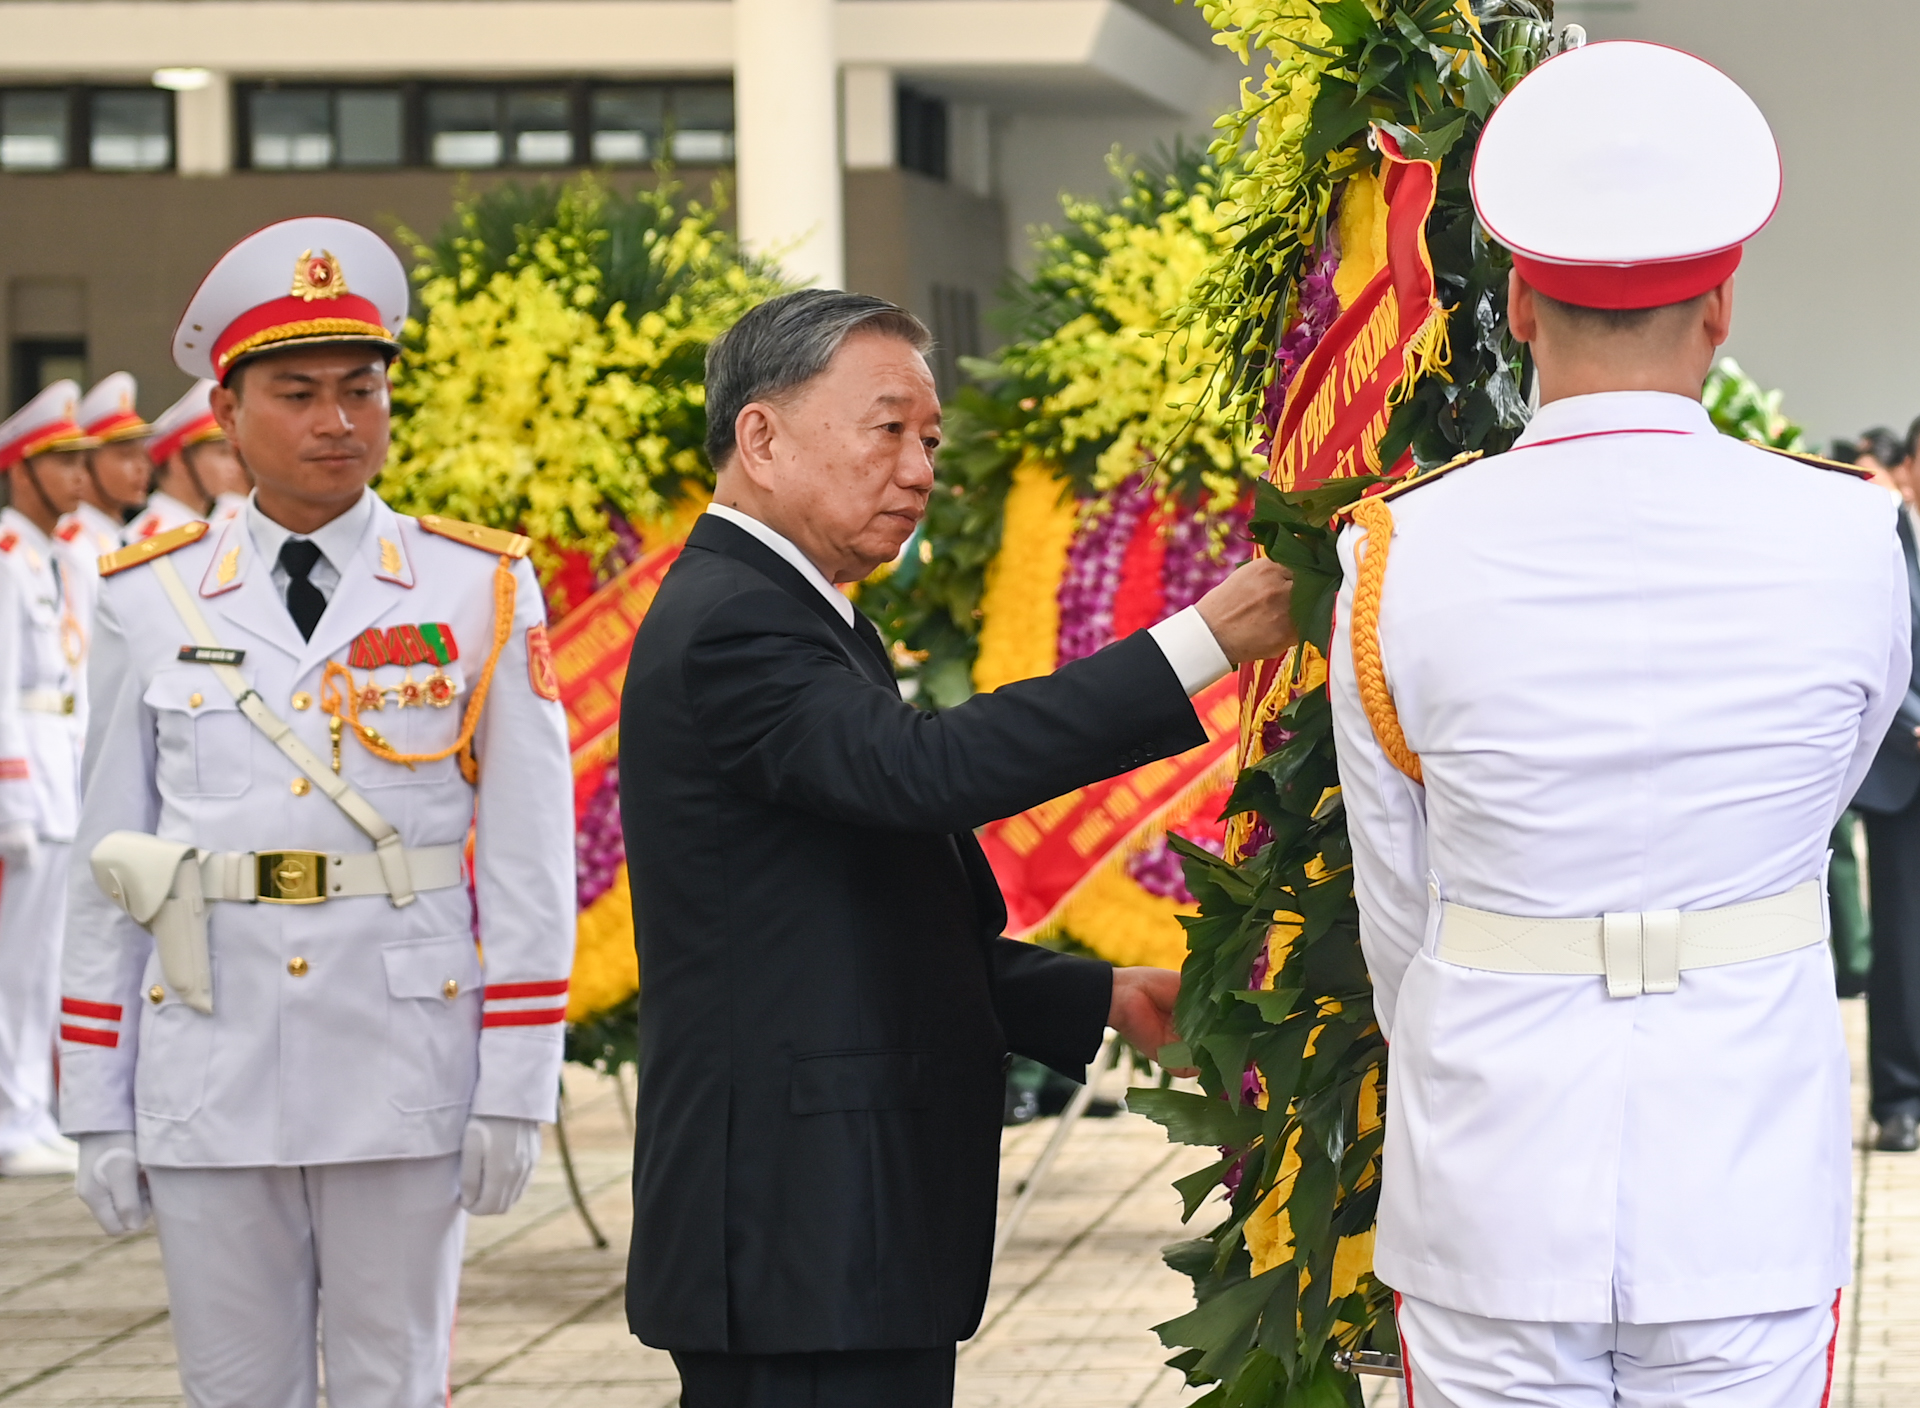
66, 703
292, 877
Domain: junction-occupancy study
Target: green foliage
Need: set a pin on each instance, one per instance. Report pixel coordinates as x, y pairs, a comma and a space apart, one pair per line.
1418, 69
1741, 409
556, 370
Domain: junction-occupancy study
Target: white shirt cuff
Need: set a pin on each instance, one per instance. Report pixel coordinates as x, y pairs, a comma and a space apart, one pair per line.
1190, 648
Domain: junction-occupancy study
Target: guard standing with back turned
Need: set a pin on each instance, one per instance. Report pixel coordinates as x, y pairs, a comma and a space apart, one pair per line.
1596, 715
279, 1029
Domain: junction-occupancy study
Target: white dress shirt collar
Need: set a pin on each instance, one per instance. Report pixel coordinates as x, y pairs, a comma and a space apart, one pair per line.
792, 554
1612, 412
337, 540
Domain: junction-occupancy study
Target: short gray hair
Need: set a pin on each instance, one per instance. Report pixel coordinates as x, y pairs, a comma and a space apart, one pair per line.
785, 343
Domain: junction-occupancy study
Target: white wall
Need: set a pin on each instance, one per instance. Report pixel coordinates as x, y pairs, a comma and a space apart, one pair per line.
1829, 294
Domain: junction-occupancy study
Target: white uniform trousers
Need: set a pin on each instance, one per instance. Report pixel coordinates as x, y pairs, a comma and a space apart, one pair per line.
254, 1257
1779, 1360
33, 915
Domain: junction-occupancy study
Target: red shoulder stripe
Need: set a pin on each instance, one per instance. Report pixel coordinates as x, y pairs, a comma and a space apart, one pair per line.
507, 992
100, 1011
535, 1017
89, 1036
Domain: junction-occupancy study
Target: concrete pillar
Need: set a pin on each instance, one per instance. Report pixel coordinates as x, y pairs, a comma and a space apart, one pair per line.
787, 136
867, 100
203, 127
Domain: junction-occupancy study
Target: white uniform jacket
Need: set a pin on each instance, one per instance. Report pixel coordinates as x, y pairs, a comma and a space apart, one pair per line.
348, 1029
42, 687
162, 514
93, 531
1645, 667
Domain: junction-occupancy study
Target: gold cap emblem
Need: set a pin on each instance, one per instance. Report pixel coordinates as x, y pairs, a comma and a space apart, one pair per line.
318, 276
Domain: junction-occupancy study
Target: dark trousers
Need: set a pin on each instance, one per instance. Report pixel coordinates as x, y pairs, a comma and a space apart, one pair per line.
1893, 982
858, 1378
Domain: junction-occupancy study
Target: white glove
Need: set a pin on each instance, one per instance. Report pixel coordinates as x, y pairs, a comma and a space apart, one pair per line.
110, 1183
496, 1160
19, 844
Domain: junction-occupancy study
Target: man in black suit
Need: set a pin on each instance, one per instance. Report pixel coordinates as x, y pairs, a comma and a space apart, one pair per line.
827, 1005
1889, 803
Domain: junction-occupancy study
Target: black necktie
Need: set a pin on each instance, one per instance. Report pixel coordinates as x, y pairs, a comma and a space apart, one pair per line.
305, 602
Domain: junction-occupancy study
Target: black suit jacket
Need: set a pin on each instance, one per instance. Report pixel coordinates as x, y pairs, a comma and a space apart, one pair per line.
826, 1002
1894, 779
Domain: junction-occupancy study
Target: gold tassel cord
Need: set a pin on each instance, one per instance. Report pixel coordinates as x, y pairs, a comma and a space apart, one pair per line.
1375, 520
1428, 350
344, 703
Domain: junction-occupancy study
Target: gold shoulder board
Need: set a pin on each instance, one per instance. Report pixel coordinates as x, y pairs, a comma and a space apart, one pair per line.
1415, 481
474, 535
147, 549
1852, 470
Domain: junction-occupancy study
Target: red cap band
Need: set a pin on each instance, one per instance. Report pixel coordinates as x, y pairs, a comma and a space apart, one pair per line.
1629, 285
39, 440
345, 318
192, 433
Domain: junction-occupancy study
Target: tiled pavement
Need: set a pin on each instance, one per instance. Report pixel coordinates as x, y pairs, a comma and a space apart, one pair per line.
83, 1318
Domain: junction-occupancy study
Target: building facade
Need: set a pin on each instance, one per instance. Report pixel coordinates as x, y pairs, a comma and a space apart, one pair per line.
901, 147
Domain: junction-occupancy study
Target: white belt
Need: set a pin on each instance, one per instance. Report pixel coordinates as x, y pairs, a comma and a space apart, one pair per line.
312, 877
1635, 952
46, 701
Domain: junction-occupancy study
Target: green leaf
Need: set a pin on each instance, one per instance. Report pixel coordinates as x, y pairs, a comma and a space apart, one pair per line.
1348, 21
1195, 1119
1195, 1188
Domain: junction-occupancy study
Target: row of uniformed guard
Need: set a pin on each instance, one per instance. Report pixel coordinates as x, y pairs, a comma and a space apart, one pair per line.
300, 909
85, 476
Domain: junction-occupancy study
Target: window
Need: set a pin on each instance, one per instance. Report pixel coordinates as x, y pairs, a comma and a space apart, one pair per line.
463, 127
629, 124
367, 124
484, 126
33, 129
39, 362
540, 123
130, 129
923, 133
309, 129
702, 120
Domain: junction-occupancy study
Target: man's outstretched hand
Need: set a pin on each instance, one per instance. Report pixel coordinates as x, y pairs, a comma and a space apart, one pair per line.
1251, 613
1142, 1009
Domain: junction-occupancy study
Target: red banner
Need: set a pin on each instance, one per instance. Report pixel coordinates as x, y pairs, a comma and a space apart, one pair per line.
590, 649
1395, 331
1045, 854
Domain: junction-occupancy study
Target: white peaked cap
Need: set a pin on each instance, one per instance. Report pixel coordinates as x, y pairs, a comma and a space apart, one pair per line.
187, 421
1626, 175
301, 282
50, 421
107, 411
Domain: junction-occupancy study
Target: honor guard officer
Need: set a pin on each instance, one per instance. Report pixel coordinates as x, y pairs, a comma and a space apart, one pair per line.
1599, 701
42, 645
119, 474
196, 471
278, 1027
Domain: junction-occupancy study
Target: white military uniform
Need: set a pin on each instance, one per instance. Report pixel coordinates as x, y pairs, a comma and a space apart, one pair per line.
1638, 669
1644, 668
162, 514
307, 1131
91, 529
42, 645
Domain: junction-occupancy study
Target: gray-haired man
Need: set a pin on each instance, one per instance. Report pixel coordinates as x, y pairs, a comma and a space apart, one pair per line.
827, 1005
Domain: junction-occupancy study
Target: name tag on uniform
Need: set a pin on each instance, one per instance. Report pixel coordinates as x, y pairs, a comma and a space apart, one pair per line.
211, 655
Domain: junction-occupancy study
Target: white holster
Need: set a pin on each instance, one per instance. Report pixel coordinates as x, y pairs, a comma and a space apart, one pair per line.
158, 883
